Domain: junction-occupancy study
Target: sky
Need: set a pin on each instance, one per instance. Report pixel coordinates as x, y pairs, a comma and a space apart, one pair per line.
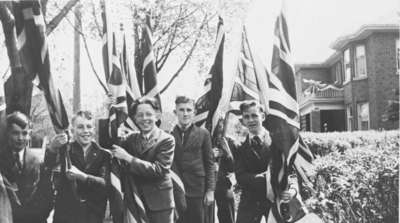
313, 26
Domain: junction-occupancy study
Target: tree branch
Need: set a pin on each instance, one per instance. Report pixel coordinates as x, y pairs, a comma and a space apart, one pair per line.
57, 19
96, 22
187, 57
88, 55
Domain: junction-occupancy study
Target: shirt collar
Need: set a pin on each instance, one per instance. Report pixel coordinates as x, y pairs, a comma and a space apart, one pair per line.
261, 135
181, 129
21, 155
150, 134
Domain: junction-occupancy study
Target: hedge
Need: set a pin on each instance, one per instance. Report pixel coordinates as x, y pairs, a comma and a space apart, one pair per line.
357, 176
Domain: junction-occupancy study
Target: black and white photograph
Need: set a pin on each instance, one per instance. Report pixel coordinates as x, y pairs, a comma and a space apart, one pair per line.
199, 111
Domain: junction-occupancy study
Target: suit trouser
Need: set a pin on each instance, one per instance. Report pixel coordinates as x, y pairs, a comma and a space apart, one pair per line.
164, 216
226, 205
251, 211
194, 212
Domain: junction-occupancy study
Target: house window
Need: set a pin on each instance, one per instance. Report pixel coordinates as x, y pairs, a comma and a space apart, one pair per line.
363, 116
338, 73
347, 66
398, 55
349, 114
360, 62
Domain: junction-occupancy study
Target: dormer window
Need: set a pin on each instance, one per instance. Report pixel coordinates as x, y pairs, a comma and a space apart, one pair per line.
360, 62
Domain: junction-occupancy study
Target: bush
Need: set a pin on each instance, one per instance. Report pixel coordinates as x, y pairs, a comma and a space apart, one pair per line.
322, 144
356, 185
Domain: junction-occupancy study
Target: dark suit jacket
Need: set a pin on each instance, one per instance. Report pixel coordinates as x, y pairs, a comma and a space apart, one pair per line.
194, 160
78, 201
151, 168
226, 162
249, 164
34, 189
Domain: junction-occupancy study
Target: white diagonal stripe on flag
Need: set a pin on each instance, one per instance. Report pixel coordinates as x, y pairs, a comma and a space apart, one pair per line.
44, 50
149, 58
21, 39
200, 117
279, 97
246, 89
153, 92
116, 183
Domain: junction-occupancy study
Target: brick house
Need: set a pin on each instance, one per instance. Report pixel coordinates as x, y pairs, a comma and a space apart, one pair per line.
352, 88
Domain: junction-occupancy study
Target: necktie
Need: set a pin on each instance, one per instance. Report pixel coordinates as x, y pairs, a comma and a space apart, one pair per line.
257, 141
17, 161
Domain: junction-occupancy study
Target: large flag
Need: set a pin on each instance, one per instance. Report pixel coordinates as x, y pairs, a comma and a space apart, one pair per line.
275, 89
125, 203
34, 55
283, 122
149, 71
207, 104
245, 87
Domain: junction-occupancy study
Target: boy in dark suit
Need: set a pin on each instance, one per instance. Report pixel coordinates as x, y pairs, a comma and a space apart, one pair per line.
82, 188
194, 161
23, 168
149, 156
251, 163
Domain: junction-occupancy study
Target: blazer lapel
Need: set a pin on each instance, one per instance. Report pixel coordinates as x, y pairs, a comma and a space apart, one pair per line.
153, 141
252, 151
77, 158
191, 138
91, 156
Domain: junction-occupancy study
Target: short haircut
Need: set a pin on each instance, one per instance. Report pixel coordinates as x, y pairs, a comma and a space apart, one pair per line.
83, 114
19, 119
150, 101
244, 106
183, 100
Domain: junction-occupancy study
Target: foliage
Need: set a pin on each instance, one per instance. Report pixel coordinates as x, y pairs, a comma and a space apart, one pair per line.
322, 144
358, 184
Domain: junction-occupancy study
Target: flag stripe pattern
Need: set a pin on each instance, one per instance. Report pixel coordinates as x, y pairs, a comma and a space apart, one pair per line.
206, 105
275, 89
34, 53
119, 110
245, 86
283, 121
149, 71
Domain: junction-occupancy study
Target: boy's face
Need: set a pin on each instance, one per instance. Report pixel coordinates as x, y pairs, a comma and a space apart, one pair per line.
146, 118
83, 130
252, 118
185, 113
18, 137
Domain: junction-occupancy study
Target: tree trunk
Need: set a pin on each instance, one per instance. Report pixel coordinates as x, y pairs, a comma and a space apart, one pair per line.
77, 58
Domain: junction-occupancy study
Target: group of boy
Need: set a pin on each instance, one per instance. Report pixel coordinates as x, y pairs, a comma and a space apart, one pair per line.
78, 191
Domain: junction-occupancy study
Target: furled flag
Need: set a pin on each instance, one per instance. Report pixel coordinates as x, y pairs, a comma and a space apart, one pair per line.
149, 71
206, 105
105, 47
33, 52
132, 84
118, 111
